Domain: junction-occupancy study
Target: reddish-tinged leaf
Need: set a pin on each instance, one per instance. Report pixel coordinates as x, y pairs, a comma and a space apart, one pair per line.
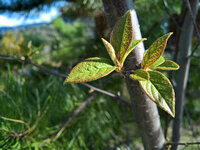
133, 44
122, 34
167, 65
159, 61
89, 70
110, 50
155, 51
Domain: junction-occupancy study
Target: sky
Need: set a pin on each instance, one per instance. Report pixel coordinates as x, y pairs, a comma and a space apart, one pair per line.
46, 16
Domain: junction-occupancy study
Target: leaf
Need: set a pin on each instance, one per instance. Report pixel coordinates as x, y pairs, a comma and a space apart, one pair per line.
29, 44
155, 51
90, 69
159, 61
122, 34
130, 48
110, 50
140, 75
36, 50
167, 65
160, 90
24, 49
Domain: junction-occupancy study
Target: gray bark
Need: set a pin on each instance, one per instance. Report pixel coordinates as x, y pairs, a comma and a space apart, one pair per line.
182, 77
145, 110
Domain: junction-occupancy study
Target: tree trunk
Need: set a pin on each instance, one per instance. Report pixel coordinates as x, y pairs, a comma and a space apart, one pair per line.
145, 110
185, 43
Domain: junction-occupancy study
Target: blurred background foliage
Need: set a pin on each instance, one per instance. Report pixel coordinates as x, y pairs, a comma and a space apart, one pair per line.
41, 102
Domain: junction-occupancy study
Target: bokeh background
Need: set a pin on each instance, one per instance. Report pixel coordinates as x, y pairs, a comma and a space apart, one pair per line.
34, 104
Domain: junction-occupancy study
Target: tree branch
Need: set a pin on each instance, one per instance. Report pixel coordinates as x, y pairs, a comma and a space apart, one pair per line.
191, 125
108, 94
195, 26
74, 114
48, 71
184, 144
193, 18
145, 110
168, 12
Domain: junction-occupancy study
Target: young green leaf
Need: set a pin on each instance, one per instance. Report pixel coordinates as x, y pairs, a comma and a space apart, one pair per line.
160, 90
90, 69
155, 51
159, 61
122, 34
29, 44
36, 50
140, 75
125, 53
110, 50
167, 65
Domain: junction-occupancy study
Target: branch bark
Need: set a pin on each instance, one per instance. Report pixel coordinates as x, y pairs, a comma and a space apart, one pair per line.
145, 110
50, 72
182, 77
75, 113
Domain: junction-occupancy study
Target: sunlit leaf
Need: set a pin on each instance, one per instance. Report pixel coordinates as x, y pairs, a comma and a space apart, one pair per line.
130, 48
167, 65
160, 90
90, 69
140, 75
29, 44
122, 34
110, 50
155, 51
159, 61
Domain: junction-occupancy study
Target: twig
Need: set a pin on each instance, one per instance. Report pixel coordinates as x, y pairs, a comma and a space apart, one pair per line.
10, 58
195, 26
15, 120
16, 106
48, 71
74, 114
108, 94
4, 130
191, 126
84, 84
181, 143
84, 103
193, 18
168, 12
39, 117
194, 50
175, 57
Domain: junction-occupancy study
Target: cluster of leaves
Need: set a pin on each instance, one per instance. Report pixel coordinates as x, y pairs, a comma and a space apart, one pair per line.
153, 83
13, 44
